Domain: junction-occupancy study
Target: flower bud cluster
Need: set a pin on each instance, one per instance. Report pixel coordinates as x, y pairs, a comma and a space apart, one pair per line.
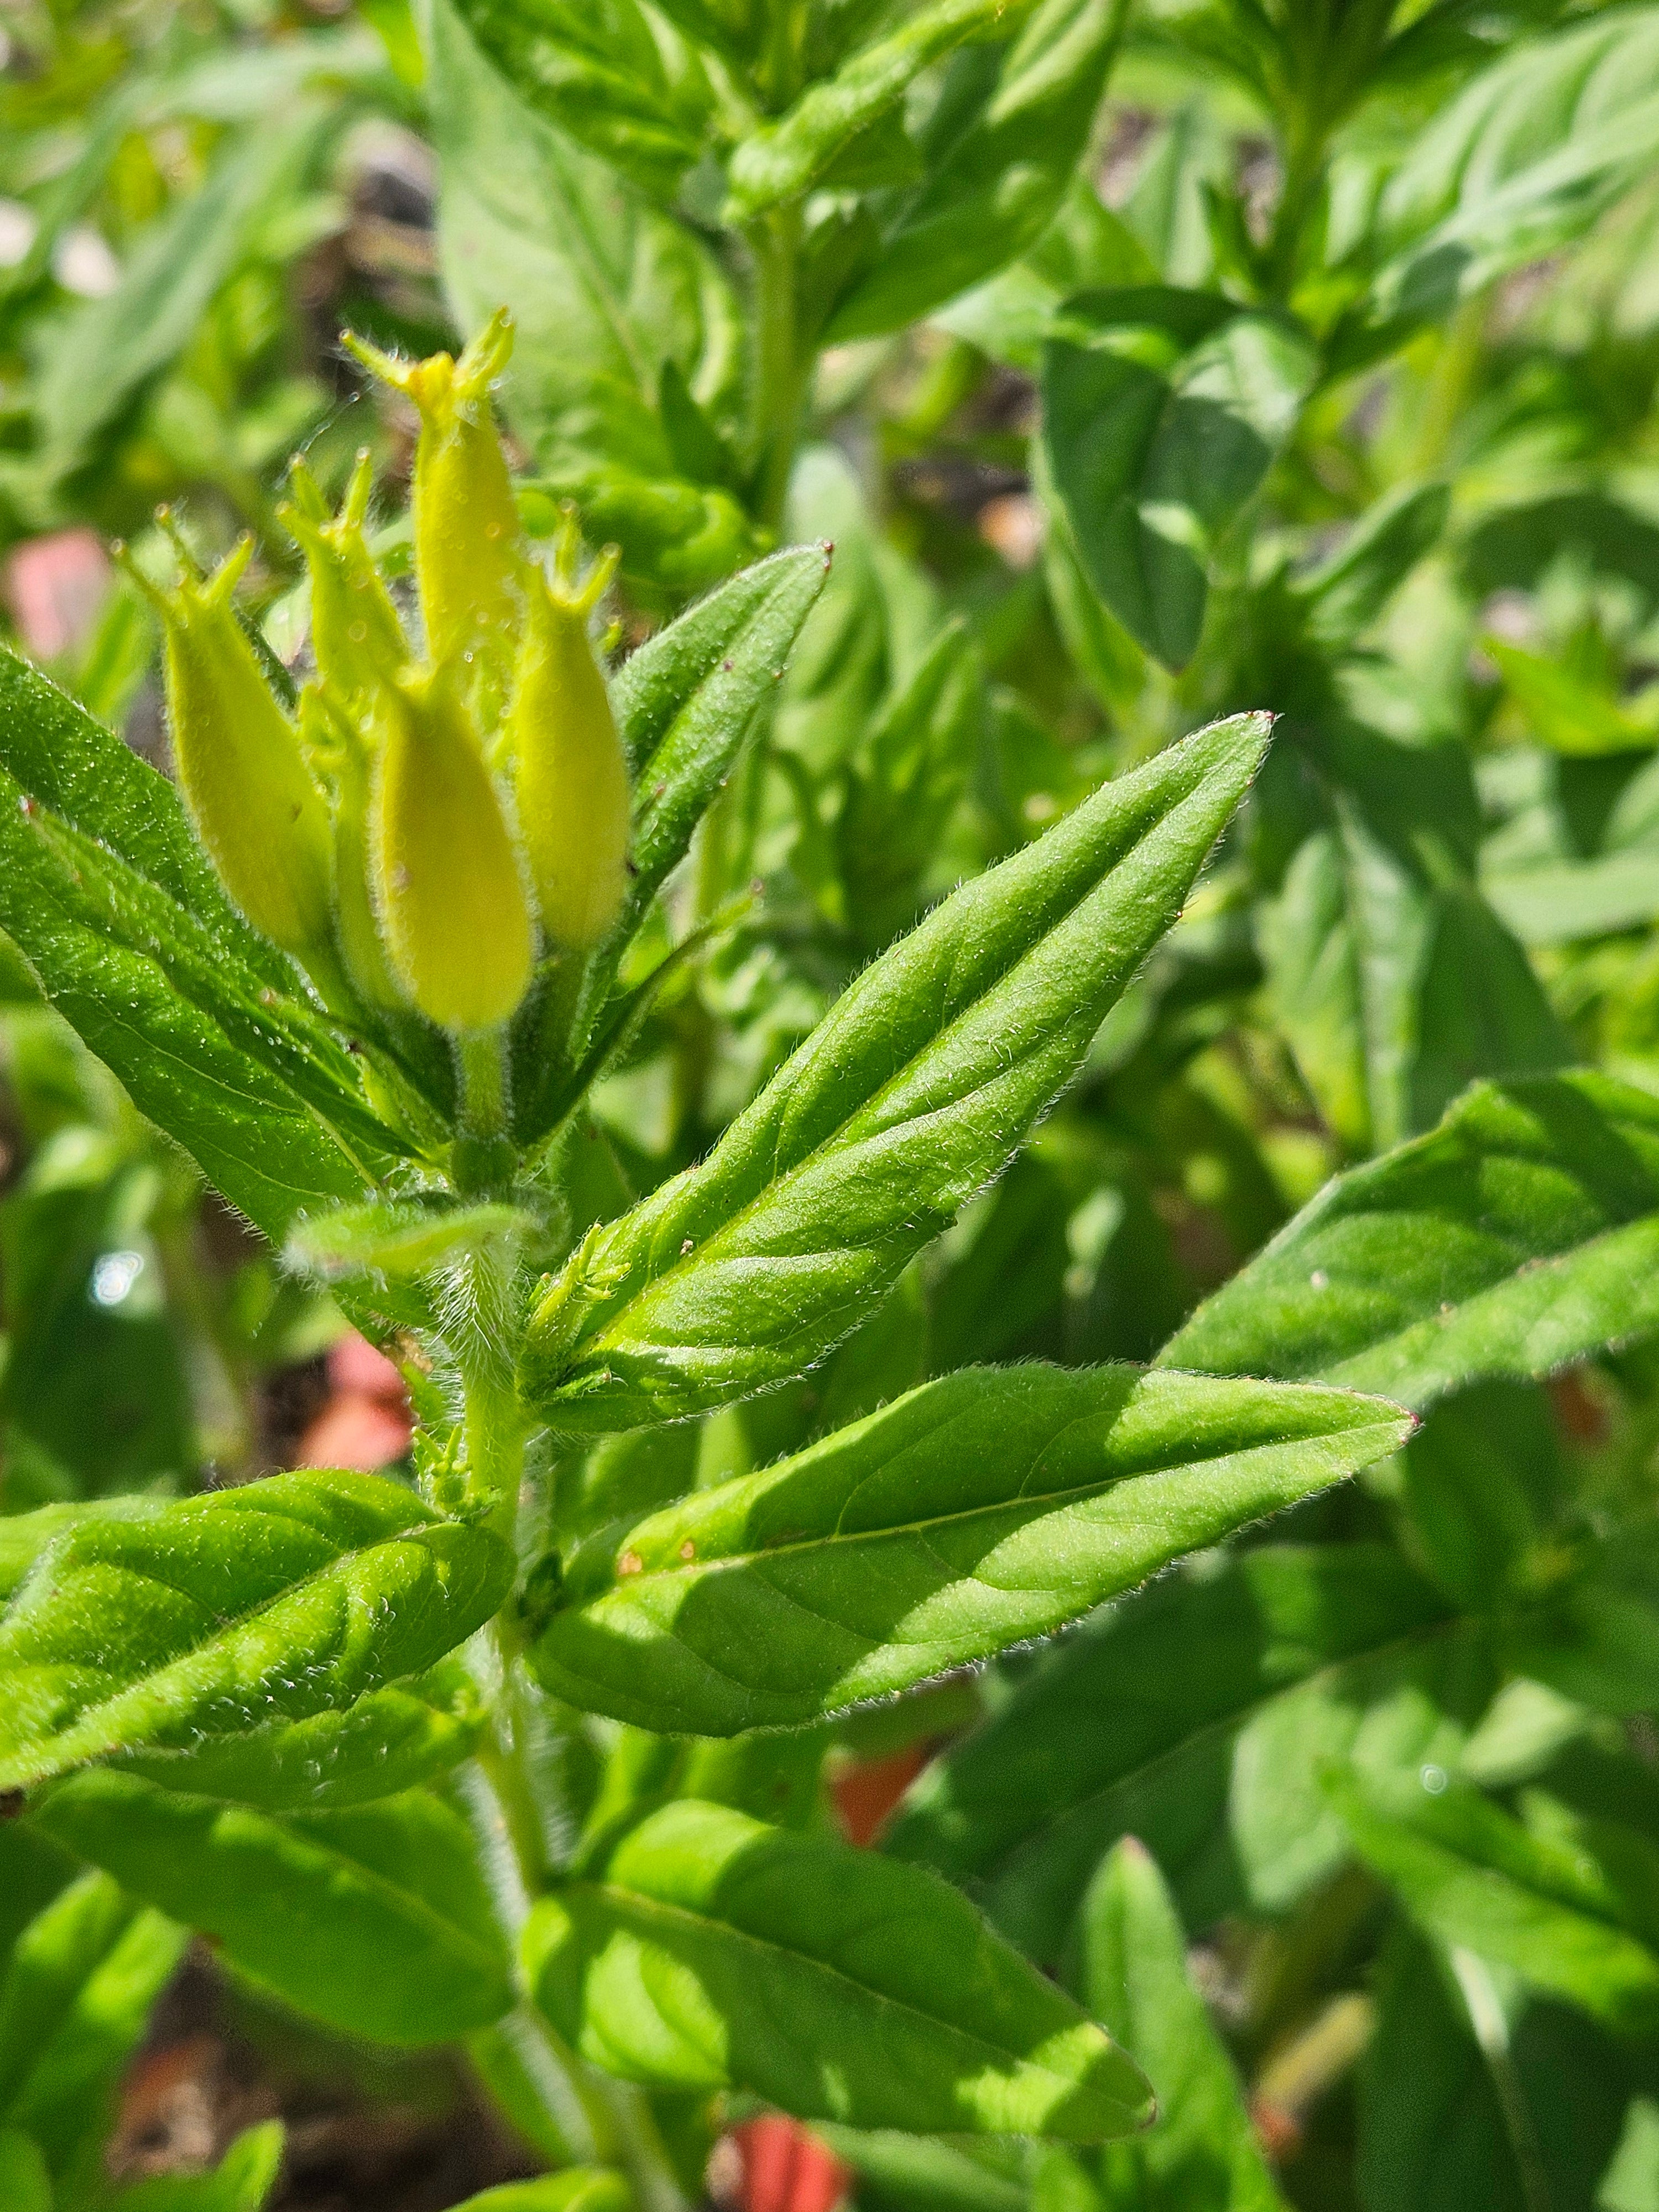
445, 805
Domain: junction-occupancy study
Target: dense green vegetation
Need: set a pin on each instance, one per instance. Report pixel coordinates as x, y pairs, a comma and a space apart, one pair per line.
941, 891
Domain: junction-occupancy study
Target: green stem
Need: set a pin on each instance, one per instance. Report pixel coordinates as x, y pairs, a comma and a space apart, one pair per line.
597, 2118
783, 365
481, 1158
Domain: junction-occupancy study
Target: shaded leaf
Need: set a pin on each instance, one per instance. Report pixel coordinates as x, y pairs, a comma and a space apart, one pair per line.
1470, 1875
1001, 152
1131, 1724
1519, 1235
716, 1952
75, 2002
1162, 411
374, 1920
1201, 2149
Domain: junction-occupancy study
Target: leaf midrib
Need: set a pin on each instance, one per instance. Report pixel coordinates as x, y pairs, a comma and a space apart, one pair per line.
1049, 1500
683, 1917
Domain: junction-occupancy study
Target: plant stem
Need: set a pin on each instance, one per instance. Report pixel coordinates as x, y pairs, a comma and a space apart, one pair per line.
481, 1158
783, 365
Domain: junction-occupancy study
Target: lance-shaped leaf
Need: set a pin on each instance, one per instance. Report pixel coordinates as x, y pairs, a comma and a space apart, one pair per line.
1162, 412
1001, 154
607, 75
373, 1920
1201, 2149
208, 1616
1133, 1725
783, 160
1521, 1234
909, 1098
990, 1506
713, 1952
389, 1742
686, 704
74, 1999
1548, 1909
399, 1238
211, 1070
1526, 159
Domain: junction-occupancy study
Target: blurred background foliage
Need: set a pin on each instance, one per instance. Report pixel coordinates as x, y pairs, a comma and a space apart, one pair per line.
1408, 261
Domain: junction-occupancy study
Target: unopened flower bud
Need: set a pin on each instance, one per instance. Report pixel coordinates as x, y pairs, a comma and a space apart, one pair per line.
354, 630
240, 765
468, 559
452, 908
332, 737
570, 774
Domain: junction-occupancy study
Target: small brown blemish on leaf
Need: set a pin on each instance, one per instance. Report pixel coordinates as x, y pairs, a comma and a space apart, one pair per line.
688, 1550
630, 1564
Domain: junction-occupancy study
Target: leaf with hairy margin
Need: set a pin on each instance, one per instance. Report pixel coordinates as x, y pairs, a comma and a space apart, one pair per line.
990, 1506
1521, 1234
374, 1919
712, 1951
206, 1617
911, 1095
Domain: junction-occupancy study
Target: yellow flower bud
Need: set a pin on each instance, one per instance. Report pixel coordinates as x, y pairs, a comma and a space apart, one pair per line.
452, 903
354, 630
570, 774
240, 765
469, 560
331, 738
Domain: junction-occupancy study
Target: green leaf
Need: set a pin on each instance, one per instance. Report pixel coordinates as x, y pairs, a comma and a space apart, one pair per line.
606, 76
689, 701
1561, 710
1202, 2149
919, 2173
1345, 593
1001, 151
208, 1616
604, 287
1431, 2126
1523, 160
978, 1510
903, 786
686, 704
399, 1238
1001, 156
1394, 982
784, 159
110, 346
386, 1743
374, 1920
255, 1138
1132, 1725
241, 2182
1521, 1234
281, 1031
1564, 903
75, 2002
578, 2189
1471, 1877
25, 2183
910, 1096
1162, 412
715, 1952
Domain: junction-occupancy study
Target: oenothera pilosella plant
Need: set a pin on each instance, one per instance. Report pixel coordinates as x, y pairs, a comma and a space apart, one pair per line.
364, 965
